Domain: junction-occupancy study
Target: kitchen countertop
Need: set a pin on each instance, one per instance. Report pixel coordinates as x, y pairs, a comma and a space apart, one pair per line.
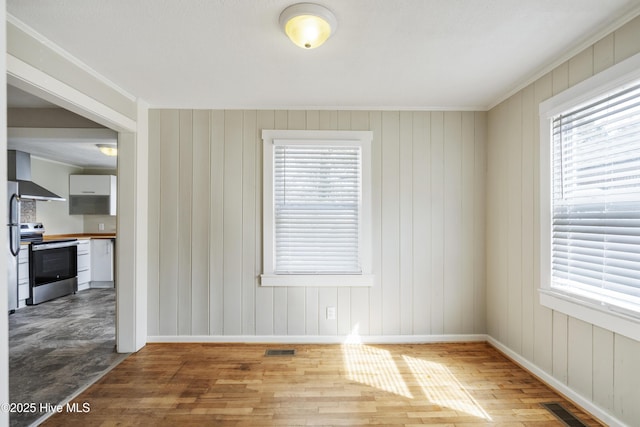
80, 236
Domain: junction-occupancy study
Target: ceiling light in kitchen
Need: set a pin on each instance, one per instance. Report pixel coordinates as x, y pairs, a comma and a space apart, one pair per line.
308, 25
108, 149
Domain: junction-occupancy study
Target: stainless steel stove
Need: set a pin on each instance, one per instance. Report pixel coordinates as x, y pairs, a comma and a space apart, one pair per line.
53, 264
31, 231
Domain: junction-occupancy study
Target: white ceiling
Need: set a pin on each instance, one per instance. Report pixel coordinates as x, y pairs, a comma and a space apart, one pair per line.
76, 147
407, 54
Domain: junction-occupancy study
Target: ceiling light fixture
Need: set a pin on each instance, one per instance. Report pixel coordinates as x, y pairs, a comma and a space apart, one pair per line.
308, 25
108, 149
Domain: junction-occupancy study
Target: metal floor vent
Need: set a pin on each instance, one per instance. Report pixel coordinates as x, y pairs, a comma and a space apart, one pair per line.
563, 414
276, 352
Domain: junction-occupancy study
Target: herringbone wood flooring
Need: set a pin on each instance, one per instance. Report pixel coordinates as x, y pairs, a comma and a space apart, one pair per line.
468, 384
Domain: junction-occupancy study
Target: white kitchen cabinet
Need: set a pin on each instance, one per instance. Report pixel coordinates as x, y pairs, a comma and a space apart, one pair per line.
84, 264
23, 276
94, 185
92, 194
102, 263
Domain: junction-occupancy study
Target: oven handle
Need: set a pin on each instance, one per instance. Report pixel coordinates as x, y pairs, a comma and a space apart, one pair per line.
43, 246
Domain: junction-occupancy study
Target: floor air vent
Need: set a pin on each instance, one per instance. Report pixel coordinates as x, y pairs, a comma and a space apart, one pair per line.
275, 352
563, 415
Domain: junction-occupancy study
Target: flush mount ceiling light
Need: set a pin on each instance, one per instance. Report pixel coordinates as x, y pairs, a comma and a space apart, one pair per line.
108, 149
308, 25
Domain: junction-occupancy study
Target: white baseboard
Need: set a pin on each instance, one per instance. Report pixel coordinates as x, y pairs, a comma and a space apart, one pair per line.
559, 386
317, 339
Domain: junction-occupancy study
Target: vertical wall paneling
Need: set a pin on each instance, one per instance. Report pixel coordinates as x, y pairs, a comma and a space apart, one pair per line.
168, 269
453, 261
390, 275
626, 377
201, 179
185, 208
232, 230
560, 78
313, 119
328, 120
626, 42
465, 297
527, 209
514, 222
580, 357
250, 140
406, 222
437, 222
359, 120
344, 120
560, 346
264, 295
603, 365
603, 54
581, 66
503, 235
153, 290
480, 195
543, 317
206, 198
493, 210
216, 224
595, 363
312, 310
375, 293
421, 215
344, 311
501, 230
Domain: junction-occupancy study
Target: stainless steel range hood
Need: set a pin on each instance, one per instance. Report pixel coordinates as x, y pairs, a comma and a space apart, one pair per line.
19, 170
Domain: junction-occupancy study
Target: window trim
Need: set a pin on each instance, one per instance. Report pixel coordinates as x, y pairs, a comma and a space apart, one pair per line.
269, 277
582, 306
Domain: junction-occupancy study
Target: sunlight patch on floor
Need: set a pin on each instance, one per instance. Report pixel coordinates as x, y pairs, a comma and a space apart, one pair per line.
442, 388
374, 367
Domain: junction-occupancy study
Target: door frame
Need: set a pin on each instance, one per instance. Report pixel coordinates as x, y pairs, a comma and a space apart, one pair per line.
131, 228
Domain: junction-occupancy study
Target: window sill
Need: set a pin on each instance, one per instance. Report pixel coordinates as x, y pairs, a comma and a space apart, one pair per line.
610, 317
317, 280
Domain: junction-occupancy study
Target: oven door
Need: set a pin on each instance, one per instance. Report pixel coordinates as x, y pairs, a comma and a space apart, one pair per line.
51, 262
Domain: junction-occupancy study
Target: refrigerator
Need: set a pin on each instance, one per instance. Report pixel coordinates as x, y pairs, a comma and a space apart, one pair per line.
13, 245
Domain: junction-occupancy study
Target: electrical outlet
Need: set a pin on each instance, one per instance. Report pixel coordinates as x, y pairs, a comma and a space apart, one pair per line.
101, 227
331, 313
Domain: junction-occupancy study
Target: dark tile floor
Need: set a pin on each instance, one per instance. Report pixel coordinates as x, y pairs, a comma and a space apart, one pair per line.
58, 348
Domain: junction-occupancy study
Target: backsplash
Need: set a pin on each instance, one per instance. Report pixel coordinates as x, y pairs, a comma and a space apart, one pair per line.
27, 211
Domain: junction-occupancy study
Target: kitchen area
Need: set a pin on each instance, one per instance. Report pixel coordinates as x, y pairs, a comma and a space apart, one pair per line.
62, 181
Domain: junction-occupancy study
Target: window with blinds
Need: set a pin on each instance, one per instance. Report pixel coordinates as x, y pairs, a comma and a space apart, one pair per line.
317, 198
596, 196
317, 208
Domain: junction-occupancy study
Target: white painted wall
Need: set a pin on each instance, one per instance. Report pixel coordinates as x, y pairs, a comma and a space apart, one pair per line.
206, 225
54, 176
597, 364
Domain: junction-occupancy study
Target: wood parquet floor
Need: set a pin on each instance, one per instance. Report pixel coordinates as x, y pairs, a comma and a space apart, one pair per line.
461, 384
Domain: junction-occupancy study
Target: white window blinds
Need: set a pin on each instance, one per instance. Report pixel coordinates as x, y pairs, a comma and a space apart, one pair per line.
596, 196
317, 204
